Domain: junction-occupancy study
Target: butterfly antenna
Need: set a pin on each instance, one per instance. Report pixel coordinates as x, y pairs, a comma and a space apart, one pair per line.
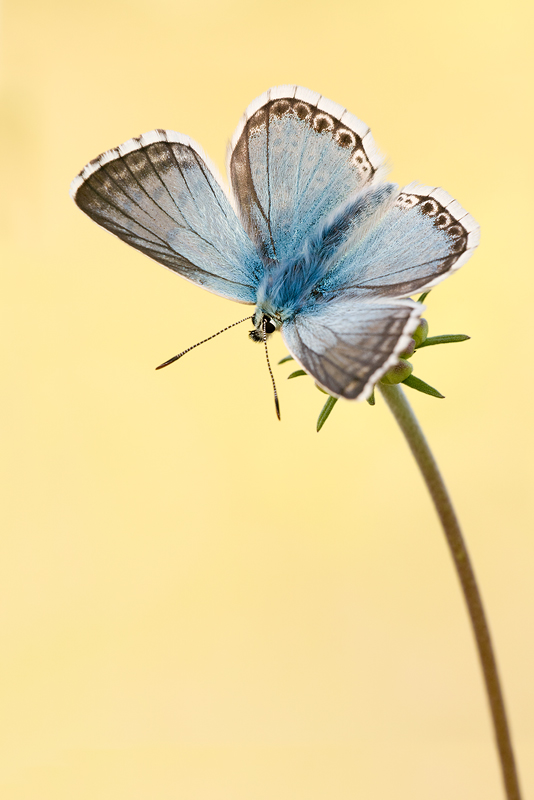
276, 403
175, 358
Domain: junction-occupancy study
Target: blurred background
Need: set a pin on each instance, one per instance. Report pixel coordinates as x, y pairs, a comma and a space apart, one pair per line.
198, 601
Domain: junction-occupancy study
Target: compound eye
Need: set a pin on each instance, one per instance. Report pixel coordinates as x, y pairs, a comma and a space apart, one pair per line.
269, 327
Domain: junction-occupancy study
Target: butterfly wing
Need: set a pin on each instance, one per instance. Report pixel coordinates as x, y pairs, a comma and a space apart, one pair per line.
158, 194
294, 157
348, 345
413, 243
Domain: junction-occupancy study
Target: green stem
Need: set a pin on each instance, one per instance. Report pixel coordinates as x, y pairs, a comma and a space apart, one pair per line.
401, 409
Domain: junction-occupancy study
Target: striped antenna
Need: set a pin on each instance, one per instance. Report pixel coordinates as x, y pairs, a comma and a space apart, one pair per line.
276, 403
175, 358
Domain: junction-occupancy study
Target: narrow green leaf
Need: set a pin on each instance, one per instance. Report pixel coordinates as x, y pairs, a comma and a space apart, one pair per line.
371, 398
423, 296
421, 386
286, 358
325, 412
297, 374
445, 339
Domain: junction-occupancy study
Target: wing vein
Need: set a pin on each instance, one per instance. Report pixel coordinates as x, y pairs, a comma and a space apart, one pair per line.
125, 213
182, 212
364, 285
146, 153
201, 167
257, 199
268, 181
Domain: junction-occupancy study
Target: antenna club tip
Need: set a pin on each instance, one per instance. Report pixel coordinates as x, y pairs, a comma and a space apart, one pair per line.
170, 361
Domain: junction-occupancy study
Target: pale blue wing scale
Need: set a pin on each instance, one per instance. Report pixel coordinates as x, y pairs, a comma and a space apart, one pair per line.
158, 194
416, 240
295, 157
347, 346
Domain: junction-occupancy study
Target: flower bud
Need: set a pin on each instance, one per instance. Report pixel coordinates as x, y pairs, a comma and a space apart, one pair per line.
420, 334
398, 373
409, 350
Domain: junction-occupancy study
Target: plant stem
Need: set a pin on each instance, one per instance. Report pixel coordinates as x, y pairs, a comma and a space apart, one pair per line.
402, 411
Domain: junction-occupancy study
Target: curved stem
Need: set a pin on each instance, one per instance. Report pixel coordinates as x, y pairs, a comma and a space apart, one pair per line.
409, 425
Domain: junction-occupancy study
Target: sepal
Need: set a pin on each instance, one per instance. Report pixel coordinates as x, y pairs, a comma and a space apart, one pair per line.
421, 386
325, 412
297, 374
445, 339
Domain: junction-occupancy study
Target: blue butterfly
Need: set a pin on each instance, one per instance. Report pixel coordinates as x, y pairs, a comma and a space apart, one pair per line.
310, 233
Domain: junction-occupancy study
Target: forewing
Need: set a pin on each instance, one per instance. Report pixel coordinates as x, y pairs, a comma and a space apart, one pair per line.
423, 237
294, 157
158, 194
347, 345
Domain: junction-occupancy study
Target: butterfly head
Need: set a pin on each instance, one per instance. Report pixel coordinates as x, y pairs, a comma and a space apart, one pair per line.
264, 325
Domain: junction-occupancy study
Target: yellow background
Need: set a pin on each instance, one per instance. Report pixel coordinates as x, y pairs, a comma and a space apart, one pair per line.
197, 601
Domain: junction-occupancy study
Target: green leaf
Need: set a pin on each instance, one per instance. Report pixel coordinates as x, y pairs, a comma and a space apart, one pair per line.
421, 386
423, 296
371, 398
297, 374
445, 339
325, 412
286, 358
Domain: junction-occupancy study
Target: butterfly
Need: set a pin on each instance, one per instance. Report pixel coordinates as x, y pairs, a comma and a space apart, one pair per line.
311, 233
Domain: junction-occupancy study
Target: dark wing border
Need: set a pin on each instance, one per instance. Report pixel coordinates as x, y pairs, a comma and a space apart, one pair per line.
352, 390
